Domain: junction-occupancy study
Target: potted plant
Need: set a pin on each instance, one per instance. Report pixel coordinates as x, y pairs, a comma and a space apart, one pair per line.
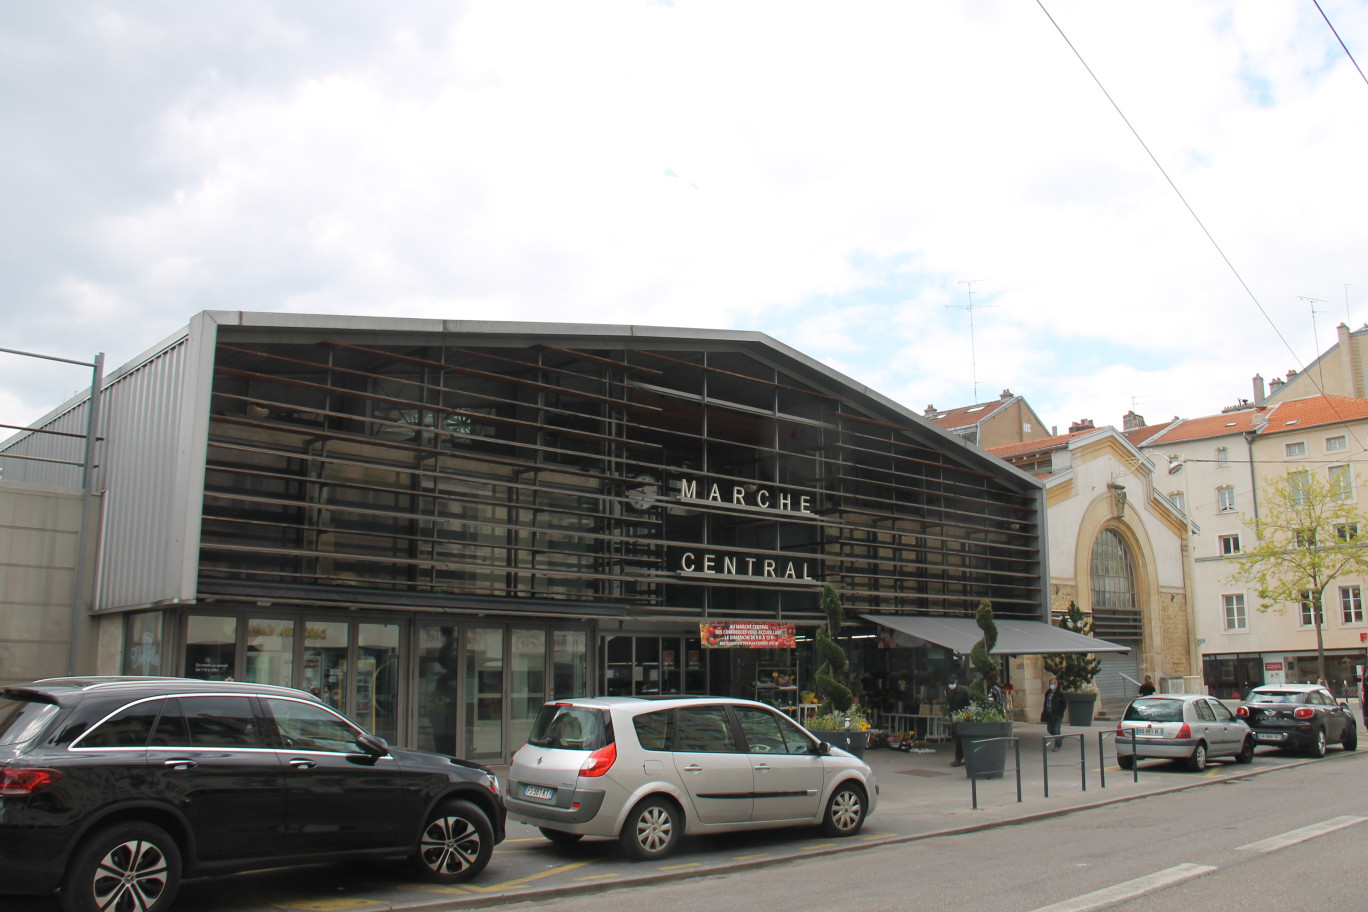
984, 718
1076, 671
836, 721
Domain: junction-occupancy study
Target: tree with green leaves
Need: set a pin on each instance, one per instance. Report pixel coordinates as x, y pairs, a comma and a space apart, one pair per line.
1074, 670
1307, 533
828, 680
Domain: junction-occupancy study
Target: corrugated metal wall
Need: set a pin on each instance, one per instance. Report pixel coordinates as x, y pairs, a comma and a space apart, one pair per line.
153, 486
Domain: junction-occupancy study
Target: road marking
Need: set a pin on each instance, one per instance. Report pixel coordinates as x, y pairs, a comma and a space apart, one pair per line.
1292, 837
332, 905
519, 881
1130, 889
602, 876
756, 855
677, 867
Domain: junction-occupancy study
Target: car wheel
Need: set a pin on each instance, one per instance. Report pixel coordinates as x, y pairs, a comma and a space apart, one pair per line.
652, 830
1246, 754
845, 811
560, 837
1125, 762
1350, 741
1198, 761
133, 866
455, 844
1318, 746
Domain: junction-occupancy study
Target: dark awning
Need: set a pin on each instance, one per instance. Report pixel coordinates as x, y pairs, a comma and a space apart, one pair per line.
1014, 637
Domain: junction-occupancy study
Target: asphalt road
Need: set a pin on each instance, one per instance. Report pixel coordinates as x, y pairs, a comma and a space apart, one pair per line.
1288, 841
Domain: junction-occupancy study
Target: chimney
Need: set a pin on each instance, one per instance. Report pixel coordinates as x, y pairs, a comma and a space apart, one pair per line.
1131, 421
1274, 385
1082, 424
930, 412
1258, 389
1006, 395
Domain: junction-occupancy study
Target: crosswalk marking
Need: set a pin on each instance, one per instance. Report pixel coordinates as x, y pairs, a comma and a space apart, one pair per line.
1292, 837
1130, 889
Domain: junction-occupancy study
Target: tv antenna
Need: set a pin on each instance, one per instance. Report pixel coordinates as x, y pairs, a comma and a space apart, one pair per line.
973, 347
1315, 336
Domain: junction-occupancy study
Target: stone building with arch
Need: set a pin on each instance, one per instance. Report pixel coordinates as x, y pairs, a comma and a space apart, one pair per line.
1119, 548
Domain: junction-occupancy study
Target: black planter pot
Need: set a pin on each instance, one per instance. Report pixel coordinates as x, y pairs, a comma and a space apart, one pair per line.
852, 741
988, 759
1081, 708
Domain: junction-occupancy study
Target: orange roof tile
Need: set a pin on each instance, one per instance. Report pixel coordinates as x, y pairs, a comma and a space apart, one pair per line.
966, 415
1039, 445
1314, 411
1209, 426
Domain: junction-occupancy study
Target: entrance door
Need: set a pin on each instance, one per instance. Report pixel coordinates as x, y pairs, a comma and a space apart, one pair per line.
484, 694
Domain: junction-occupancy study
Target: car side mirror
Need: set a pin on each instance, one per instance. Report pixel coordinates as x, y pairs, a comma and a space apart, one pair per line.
821, 747
373, 745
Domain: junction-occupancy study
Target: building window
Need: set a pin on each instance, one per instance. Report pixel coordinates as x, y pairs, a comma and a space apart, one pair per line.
1225, 498
1116, 612
1295, 449
1230, 544
1346, 532
1222, 456
1298, 484
1235, 618
1335, 443
1351, 605
1179, 501
1307, 601
1341, 482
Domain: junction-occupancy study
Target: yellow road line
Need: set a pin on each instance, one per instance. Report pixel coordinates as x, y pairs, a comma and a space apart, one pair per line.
330, 905
678, 867
520, 881
749, 857
602, 876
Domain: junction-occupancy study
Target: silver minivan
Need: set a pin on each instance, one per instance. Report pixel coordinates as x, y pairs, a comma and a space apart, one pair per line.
648, 771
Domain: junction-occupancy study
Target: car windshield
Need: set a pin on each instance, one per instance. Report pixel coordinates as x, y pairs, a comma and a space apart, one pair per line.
561, 725
22, 716
1155, 711
1276, 696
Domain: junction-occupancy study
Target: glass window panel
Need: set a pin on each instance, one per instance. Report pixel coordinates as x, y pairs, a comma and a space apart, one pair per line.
484, 687
129, 727
143, 644
439, 679
309, 727
325, 661
270, 652
570, 664
210, 647
377, 681
527, 681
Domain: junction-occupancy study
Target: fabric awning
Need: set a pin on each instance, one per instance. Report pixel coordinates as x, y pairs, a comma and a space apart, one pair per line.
1014, 637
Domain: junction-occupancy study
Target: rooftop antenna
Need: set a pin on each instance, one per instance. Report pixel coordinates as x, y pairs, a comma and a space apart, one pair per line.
973, 347
1315, 336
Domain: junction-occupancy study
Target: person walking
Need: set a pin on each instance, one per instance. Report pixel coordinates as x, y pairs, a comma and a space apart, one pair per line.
1147, 688
1052, 713
956, 698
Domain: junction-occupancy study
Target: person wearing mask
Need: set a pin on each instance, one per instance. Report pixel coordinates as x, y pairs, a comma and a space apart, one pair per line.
1052, 713
1148, 687
956, 698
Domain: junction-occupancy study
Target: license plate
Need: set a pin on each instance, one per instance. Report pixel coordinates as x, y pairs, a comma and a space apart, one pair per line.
1269, 736
538, 791
1149, 732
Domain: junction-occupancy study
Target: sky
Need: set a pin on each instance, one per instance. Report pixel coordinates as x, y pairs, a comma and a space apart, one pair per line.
1099, 206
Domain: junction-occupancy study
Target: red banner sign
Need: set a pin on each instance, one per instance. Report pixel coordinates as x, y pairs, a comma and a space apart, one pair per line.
1272, 666
746, 635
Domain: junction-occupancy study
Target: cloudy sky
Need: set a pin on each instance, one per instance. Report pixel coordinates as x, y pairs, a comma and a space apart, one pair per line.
847, 178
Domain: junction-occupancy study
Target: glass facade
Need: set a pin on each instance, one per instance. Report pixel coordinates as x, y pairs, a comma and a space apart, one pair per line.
454, 519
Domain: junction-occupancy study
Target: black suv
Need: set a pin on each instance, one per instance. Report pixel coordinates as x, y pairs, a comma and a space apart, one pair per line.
111, 789
1303, 717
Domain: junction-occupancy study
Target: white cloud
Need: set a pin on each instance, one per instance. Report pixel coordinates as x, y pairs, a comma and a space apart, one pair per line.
828, 176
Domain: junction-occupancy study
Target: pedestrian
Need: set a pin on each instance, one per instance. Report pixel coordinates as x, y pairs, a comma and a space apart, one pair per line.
1052, 712
956, 698
1148, 687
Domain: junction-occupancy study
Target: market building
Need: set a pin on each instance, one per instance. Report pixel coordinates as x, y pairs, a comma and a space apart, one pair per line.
437, 525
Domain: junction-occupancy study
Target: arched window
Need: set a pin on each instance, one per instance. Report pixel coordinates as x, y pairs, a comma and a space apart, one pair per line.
1116, 615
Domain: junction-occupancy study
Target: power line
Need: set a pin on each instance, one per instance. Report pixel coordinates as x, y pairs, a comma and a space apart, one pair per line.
1340, 40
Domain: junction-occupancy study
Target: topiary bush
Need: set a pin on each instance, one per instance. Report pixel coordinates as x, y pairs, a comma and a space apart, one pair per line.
1074, 671
830, 688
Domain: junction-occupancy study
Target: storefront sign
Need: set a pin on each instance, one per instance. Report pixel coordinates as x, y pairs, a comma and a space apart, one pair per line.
740, 566
752, 496
746, 635
1273, 666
